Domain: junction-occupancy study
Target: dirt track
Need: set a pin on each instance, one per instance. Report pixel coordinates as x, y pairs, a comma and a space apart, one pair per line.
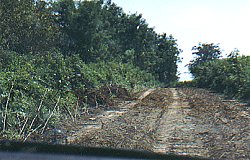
177, 133
181, 121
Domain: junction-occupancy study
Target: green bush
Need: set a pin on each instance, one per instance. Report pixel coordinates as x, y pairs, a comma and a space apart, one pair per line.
230, 76
124, 74
36, 91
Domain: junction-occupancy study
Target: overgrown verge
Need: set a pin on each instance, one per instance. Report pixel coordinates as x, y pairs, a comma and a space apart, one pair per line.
230, 76
36, 92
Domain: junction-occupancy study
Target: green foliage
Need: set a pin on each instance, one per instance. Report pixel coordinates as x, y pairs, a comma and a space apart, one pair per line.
25, 103
204, 53
54, 54
166, 59
94, 30
185, 84
125, 75
35, 92
101, 31
27, 26
230, 76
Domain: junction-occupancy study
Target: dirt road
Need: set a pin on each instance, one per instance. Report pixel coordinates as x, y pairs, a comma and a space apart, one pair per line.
176, 132
190, 122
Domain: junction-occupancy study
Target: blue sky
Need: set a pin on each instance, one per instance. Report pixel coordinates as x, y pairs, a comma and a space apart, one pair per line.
226, 22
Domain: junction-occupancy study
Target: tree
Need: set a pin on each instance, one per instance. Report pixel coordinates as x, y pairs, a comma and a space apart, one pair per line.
204, 52
83, 28
26, 26
167, 58
101, 31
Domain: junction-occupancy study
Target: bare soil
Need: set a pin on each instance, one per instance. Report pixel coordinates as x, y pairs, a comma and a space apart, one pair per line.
226, 123
187, 121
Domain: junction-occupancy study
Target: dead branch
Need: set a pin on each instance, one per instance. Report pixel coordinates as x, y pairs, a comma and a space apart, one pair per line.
6, 108
38, 110
50, 115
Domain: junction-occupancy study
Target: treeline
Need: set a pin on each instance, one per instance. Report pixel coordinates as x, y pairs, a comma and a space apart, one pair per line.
230, 75
95, 30
56, 56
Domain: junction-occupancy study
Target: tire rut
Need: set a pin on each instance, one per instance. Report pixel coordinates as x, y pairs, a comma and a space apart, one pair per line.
176, 132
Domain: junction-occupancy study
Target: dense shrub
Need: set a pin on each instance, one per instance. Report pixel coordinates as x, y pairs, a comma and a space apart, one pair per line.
35, 92
230, 76
124, 74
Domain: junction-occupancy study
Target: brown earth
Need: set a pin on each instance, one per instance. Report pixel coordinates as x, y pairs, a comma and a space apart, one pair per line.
226, 123
192, 122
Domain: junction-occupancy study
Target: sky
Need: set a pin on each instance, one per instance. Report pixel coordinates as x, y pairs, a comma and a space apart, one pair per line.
223, 22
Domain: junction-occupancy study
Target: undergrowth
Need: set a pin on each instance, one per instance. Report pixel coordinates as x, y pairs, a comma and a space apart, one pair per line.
36, 92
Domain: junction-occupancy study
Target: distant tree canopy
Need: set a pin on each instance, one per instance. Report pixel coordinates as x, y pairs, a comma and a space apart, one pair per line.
204, 52
230, 75
96, 30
